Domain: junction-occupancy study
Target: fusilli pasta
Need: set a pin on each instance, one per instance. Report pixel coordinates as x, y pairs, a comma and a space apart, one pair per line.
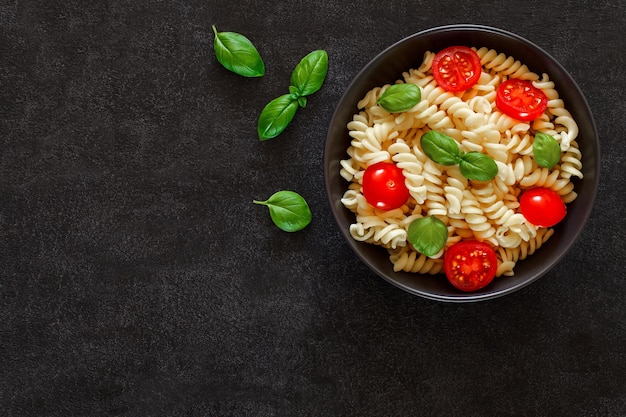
487, 211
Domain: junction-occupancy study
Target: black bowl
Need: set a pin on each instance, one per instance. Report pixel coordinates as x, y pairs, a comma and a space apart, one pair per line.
408, 53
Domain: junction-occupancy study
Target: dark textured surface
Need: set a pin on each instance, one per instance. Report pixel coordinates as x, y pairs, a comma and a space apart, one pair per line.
137, 278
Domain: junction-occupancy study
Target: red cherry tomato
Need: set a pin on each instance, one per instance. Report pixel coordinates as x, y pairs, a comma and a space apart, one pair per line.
456, 68
470, 265
542, 206
520, 99
384, 187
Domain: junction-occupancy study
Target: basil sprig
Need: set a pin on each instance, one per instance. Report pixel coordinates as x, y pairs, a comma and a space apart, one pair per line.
428, 235
289, 210
546, 150
444, 150
400, 97
307, 78
237, 54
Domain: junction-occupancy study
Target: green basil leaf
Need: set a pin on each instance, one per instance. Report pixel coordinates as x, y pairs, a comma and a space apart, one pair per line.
428, 235
478, 166
309, 74
275, 116
440, 148
237, 54
400, 97
546, 150
302, 101
289, 210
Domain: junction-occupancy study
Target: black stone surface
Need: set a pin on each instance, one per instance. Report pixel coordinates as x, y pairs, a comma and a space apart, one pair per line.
138, 279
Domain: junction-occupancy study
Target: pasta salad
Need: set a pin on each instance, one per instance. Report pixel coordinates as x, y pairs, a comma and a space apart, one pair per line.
479, 112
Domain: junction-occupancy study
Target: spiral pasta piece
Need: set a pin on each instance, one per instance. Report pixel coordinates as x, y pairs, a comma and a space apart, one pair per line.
504, 66
410, 261
412, 168
456, 185
571, 164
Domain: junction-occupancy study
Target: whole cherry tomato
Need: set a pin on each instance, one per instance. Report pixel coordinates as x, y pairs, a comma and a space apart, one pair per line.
384, 187
470, 265
542, 206
456, 68
520, 99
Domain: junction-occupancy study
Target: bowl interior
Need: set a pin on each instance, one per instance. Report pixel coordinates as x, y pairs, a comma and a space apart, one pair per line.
408, 53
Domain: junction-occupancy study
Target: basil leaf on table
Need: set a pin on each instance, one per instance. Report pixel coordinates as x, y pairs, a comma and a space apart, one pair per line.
440, 148
237, 54
428, 235
289, 210
276, 116
308, 76
478, 166
400, 97
546, 150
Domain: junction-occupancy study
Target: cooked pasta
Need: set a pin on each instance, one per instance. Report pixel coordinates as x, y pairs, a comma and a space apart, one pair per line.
487, 211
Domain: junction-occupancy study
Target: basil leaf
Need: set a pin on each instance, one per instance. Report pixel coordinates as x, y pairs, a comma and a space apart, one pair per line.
275, 116
400, 97
546, 150
478, 166
289, 210
309, 74
237, 54
440, 148
428, 235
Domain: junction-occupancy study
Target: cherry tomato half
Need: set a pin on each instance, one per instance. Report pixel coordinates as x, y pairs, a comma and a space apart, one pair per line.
456, 68
520, 99
470, 265
542, 206
384, 187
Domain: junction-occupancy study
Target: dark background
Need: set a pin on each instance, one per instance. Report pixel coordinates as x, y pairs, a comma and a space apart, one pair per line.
137, 277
